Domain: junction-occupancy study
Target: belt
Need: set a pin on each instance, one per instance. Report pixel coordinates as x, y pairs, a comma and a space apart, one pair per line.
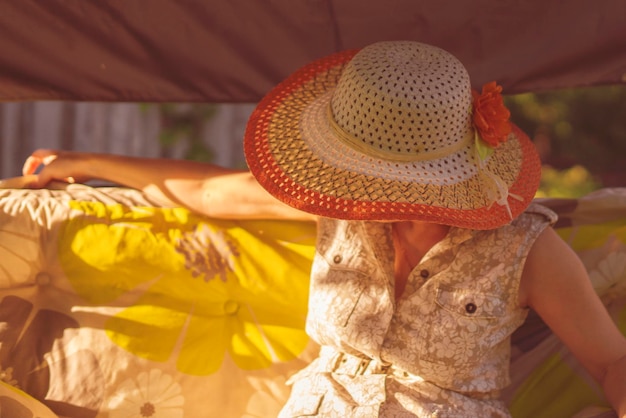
331, 360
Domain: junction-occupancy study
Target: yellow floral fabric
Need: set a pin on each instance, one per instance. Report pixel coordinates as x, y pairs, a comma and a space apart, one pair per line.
93, 292
197, 294
441, 350
113, 306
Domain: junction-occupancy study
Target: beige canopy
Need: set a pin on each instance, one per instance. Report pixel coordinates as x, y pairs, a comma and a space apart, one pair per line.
236, 50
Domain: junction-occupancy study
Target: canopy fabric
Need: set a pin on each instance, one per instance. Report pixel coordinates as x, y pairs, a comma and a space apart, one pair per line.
236, 50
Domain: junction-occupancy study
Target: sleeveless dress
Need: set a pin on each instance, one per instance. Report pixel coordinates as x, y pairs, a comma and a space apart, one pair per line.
441, 350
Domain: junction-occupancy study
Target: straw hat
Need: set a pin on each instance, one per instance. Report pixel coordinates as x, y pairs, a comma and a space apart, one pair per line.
392, 132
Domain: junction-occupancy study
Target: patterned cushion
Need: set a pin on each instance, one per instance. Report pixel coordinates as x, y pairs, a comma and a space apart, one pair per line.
111, 305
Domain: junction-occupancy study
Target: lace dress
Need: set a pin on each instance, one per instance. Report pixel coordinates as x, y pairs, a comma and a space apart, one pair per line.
441, 350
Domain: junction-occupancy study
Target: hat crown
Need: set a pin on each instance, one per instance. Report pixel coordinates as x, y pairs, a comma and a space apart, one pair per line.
404, 100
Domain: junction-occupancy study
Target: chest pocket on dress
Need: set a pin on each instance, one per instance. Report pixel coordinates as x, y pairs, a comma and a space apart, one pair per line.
346, 274
462, 327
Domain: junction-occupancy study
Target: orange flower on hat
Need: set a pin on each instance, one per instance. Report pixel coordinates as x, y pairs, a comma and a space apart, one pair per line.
490, 116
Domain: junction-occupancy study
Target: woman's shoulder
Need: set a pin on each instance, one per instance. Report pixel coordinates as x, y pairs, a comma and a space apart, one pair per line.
535, 218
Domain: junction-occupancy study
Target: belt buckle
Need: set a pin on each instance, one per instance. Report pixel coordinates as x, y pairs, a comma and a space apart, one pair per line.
337, 361
363, 366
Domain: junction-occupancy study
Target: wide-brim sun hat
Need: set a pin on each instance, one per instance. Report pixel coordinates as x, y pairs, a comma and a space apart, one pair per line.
392, 132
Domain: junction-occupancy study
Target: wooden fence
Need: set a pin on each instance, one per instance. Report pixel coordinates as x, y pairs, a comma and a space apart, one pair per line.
119, 128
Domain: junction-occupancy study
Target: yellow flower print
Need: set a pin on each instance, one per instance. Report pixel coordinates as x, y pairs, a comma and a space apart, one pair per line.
208, 253
151, 395
198, 288
263, 402
20, 248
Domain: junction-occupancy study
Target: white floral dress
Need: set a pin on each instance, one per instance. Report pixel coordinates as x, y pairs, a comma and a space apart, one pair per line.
441, 350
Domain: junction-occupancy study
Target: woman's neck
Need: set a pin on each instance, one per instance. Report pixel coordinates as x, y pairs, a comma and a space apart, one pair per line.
412, 240
418, 237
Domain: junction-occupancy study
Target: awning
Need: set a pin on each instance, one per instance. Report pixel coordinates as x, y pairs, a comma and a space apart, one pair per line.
236, 50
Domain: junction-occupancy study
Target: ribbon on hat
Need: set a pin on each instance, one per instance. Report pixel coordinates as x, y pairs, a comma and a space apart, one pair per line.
497, 189
384, 154
491, 128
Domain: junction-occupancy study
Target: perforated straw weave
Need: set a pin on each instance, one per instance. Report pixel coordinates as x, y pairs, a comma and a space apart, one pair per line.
386, 133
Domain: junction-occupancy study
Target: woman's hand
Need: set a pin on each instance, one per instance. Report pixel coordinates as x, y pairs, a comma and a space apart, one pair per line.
67, 166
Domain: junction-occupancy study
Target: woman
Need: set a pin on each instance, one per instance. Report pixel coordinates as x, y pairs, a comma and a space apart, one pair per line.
429, 251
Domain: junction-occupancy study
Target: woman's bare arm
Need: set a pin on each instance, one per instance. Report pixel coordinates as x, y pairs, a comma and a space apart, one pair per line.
556, 285
204, 188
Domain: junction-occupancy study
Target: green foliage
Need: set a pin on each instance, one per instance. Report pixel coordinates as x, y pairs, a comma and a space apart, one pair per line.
580, 135
582, 126
571, 182
185, 122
